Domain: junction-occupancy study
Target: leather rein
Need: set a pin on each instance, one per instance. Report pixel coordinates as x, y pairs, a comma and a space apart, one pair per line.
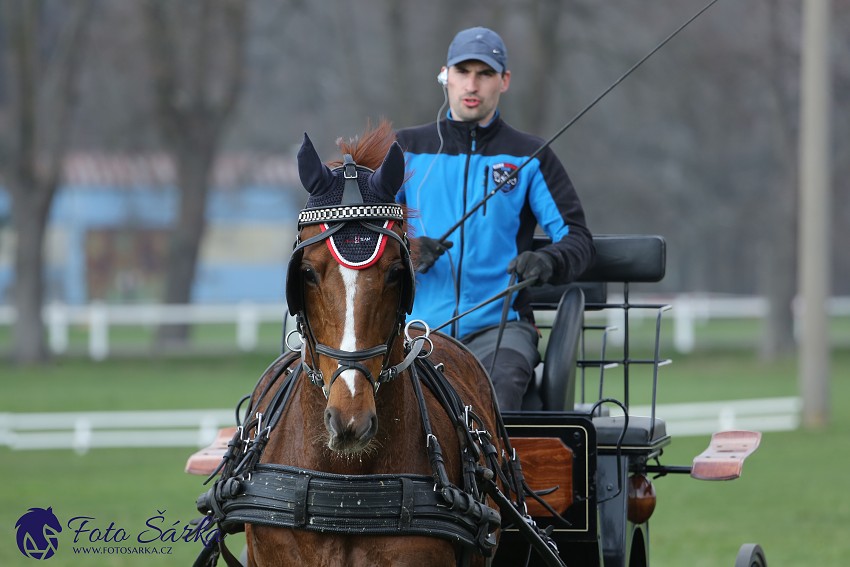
248, 491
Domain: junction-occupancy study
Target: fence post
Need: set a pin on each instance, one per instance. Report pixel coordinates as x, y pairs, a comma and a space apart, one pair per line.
98, 331
683, 325
82, 436
247, 323
57, 328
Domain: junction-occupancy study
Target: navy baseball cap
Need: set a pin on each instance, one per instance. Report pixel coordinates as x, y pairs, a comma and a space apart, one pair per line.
481, 44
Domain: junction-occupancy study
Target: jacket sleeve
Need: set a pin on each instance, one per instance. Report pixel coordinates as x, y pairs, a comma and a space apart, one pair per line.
572, 243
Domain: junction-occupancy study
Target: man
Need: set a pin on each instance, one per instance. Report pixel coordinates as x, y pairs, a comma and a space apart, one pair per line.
453, 165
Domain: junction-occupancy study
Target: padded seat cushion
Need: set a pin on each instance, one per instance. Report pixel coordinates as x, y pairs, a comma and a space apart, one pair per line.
609, 429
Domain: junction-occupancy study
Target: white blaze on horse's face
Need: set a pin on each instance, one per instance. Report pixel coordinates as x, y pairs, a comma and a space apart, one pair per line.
349, 337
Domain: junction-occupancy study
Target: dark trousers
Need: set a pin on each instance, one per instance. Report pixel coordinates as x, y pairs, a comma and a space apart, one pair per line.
514, 361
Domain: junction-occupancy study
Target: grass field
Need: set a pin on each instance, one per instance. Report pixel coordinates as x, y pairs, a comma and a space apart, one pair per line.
791, 498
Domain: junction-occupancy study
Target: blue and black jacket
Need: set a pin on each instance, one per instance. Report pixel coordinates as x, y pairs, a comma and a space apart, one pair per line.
445, 182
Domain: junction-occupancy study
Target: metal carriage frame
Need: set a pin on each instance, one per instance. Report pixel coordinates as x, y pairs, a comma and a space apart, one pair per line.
608, 458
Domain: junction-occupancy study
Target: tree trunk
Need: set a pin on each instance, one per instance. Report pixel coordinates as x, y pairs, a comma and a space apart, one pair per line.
43, 96
193, 173
30, 208
778, 281
194, 102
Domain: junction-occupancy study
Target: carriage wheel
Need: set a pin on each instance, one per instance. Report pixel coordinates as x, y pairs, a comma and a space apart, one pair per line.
750, 555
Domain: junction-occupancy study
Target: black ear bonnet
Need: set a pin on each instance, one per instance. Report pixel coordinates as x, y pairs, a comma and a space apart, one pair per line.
356, 209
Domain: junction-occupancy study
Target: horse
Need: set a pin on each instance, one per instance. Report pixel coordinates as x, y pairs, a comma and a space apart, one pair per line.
377, 469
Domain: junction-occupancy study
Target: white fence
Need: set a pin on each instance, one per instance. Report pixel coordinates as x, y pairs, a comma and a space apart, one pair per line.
99, 317
197, 428
768, 414
82, 431
689, 310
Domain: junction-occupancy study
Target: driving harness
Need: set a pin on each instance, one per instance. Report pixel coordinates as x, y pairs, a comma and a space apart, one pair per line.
247, 491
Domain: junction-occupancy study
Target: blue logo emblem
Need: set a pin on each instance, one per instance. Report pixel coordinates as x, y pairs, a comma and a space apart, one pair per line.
501, 172
38, 533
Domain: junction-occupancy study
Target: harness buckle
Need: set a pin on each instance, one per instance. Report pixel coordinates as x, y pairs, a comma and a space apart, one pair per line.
300, 338
420, 322
241, 432
349, 168
259, 424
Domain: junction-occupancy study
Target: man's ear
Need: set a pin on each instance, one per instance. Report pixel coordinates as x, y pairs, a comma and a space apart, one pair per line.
506, 81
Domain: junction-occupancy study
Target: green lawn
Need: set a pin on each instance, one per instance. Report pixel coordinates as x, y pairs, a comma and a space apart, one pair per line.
791, 498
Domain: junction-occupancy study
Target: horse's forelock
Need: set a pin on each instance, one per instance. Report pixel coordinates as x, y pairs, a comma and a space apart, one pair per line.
370, 148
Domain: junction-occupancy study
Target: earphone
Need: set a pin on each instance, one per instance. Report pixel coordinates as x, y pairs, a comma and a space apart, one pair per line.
443, 77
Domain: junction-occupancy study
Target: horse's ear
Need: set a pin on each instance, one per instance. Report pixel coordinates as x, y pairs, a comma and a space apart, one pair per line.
315, 176
387, 179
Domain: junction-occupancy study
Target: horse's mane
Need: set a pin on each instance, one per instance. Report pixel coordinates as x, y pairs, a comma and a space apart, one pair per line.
369, 148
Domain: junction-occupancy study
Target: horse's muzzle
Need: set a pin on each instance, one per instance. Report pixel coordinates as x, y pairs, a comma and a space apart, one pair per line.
352, 435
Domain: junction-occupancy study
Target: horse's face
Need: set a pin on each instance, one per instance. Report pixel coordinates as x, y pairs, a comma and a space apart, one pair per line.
351, 310
351, 283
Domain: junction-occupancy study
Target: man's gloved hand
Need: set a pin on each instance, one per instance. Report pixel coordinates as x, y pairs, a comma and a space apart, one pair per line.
430, 249
533, 266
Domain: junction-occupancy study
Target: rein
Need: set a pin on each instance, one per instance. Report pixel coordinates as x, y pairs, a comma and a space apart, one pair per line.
247, 491
508, 291
291, 497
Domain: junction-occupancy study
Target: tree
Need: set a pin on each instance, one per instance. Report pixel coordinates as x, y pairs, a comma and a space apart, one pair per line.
45, 42
197, 52
778, 270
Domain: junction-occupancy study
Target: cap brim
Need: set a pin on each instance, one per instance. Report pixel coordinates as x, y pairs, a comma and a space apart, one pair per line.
483, 58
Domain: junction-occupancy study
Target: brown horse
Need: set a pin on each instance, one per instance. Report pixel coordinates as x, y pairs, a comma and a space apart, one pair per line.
358, 414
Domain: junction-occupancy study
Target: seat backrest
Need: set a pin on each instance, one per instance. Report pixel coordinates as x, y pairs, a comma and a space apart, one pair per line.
556, 391
620, 258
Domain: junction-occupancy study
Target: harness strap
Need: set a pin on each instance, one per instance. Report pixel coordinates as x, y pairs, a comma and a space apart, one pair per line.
539, 539
348, 355
282, 496
289, 497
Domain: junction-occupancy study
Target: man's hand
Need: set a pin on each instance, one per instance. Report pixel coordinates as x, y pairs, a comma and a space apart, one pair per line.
430, 250
533, 266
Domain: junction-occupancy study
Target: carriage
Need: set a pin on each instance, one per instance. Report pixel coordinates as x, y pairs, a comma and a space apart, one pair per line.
582, 460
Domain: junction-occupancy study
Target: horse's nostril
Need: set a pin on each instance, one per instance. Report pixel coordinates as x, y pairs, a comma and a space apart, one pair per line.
332, 422
368, 428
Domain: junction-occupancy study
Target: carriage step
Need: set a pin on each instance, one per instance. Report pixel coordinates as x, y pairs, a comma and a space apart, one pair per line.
724, 457
205, 461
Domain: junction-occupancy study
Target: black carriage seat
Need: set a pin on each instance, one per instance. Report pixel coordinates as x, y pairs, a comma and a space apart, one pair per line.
555, 388
620, 259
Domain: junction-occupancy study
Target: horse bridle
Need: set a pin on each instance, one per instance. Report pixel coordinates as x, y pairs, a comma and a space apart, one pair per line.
352, 209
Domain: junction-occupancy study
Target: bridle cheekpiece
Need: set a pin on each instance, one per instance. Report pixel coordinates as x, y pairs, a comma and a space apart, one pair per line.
350, 205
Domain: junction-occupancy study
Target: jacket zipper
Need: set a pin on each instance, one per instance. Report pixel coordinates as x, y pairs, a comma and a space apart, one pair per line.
456, 324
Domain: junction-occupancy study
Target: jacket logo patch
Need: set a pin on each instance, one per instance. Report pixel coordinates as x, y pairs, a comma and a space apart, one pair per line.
501, 171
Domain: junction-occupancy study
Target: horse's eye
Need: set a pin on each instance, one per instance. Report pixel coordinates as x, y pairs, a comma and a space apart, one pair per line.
395, 273
309, 275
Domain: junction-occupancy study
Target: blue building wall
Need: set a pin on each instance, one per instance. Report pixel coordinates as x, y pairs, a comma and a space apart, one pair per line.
79, 209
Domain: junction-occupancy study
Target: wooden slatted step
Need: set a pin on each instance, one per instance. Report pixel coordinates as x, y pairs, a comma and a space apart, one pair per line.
205, 461
724, 457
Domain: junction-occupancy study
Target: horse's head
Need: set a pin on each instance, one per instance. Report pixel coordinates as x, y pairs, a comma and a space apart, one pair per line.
350, 281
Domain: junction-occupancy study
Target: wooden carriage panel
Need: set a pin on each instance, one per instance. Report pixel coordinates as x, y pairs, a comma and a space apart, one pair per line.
547, 465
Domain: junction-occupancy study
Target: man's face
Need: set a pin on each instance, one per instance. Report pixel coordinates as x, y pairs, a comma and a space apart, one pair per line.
474, 89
